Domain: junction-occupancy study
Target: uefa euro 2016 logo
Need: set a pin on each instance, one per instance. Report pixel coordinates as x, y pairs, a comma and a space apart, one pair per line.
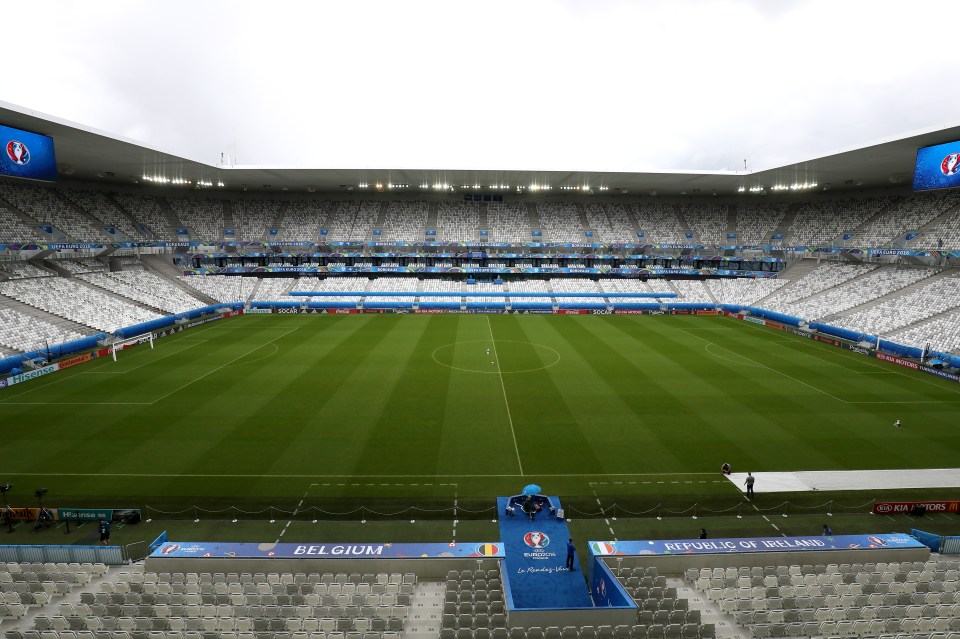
536, 540
18, 152
950, 165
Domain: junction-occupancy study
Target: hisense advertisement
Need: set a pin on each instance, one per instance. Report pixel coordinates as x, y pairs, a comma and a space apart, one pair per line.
938, 167
27, 155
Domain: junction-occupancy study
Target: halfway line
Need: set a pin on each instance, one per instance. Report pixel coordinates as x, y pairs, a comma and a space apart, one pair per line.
504, 389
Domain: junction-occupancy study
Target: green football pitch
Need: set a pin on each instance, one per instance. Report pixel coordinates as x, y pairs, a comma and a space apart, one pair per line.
300, 411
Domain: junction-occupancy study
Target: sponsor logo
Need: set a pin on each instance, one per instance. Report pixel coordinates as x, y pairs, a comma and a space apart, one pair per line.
896, 360
536, 539
940, 373
903, 507
755, 320
3, 383
949, 167
23, 377
19, 153
259, 311
73, 361
857, 349
600, 313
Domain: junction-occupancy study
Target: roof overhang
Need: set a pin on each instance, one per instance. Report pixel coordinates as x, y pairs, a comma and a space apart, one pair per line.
87, 154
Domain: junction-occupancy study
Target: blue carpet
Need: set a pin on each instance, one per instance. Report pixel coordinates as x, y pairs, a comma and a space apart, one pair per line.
536, 564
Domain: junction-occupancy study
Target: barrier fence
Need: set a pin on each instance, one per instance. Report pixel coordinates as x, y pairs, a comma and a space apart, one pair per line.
109, 555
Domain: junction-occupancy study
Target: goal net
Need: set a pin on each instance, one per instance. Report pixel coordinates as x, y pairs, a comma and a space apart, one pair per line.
122, 344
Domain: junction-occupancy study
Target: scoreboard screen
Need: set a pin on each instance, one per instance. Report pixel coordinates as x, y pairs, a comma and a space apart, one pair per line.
938, 167
27, 155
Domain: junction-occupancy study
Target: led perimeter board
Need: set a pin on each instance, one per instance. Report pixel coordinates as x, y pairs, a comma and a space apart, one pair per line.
27, 155
938, 167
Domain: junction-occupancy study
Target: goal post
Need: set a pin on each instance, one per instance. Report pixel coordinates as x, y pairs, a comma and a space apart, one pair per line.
121, 344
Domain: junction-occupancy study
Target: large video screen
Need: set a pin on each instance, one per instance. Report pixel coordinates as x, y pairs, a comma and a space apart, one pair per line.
27, 155
938, 167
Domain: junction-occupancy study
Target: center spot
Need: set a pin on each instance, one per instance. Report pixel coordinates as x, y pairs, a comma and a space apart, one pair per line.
502, 356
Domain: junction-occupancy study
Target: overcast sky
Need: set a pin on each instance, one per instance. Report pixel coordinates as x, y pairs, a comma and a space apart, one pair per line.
592, 85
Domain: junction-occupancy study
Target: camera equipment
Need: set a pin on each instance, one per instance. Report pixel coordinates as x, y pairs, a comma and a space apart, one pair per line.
7, 514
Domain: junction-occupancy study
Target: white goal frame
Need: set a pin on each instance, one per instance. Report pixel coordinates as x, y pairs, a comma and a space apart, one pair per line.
130, 341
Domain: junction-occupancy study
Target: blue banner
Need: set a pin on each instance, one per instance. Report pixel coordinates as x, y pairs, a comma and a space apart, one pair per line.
27, 155
752, 544
606, 589
328, 550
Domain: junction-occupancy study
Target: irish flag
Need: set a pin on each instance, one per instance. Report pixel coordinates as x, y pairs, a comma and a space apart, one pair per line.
602, 548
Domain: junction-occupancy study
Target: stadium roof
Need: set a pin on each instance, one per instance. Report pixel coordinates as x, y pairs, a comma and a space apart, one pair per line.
84, 153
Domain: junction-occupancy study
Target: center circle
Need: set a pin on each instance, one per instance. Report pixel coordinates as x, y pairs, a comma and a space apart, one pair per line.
474, 357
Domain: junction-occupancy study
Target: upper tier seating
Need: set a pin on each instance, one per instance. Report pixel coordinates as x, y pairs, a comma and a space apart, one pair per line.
13, 230
560, 222
708, 222
404, 221
508, 222
46, 206
899, 216
101, 207
252, 218
659, 224
302, 221
352, 221
611, 223
458, 221
148, 213
943, 232
202, 217
756, 224
822, 223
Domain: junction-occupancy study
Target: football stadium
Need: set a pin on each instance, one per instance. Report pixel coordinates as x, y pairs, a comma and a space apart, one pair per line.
247, 400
